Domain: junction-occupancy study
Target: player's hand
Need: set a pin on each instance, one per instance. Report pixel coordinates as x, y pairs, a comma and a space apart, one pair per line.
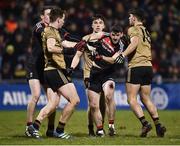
70, 71
80, 45
119, 59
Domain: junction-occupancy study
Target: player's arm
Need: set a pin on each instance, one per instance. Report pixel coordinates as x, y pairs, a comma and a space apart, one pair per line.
132, 46
97, 36
68, 36
51, 46
68, 44
111, 60
76, 59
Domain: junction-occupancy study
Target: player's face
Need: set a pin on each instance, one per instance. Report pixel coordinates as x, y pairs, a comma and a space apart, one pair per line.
131, 19
115, 37
61, 21
98, 25
46, 16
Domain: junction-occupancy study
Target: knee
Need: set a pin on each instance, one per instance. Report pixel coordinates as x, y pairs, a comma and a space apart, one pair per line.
144, 98
51, 106
35, 98
75, 101
109, 97
131, 101
94, 106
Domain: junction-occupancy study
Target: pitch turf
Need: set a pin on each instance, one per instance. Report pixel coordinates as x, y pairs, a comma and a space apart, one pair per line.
12, 126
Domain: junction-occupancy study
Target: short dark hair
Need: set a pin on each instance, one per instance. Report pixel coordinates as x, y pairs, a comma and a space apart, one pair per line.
98, 16
139, 13
116, 28
55, 13
46, 8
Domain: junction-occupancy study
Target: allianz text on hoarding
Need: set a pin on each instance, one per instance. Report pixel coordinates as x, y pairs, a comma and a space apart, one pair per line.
16, 96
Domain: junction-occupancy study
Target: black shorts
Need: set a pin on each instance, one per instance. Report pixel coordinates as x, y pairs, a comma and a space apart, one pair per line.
98, 77
35, 71
140, 75
56, 78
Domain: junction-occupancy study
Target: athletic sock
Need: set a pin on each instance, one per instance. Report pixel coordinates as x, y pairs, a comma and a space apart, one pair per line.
100, 127
50, 127
111, 123
29, 123
60, 127
156, 122
51, 119
90, 127
36, 124
143, 121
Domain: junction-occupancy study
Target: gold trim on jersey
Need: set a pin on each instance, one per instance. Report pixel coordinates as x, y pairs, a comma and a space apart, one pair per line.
129, 75
63, 77
49, 68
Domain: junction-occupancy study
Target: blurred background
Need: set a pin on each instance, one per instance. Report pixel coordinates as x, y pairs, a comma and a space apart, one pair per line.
17, 18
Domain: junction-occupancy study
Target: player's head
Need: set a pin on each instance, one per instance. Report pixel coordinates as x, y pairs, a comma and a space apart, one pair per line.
44, 14
98, 23
136, 15
57, 16
116, 33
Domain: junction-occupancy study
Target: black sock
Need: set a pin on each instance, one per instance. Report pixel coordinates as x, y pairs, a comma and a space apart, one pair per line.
143, 121
51, 120
50, 127
156, 122
60, 127
37, 124
91, 127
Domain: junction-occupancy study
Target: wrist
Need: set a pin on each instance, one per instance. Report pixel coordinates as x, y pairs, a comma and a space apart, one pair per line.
123, 55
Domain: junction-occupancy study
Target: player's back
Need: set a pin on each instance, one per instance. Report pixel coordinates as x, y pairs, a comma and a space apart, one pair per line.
37, 39
142, 54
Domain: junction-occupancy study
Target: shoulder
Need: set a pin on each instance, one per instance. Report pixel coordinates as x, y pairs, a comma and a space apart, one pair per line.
86, 37
132, 31
39, 27
49, 29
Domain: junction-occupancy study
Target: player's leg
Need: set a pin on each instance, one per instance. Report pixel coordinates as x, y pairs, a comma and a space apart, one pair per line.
51, 118
145, 98
134, 79
89, 113
108, 88
102, 106
132, 91
94, 98
69, 92
45, 112
35, 88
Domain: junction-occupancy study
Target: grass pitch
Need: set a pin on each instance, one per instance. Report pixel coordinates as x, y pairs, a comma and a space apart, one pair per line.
12, 126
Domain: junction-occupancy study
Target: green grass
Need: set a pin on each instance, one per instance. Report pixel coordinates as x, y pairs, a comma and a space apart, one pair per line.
12, 126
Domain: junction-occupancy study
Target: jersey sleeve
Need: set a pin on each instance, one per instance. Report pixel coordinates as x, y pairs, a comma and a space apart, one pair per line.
133, 31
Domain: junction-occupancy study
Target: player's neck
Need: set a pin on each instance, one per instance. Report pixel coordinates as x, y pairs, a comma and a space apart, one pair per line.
138, 23
97, 32
53, 25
